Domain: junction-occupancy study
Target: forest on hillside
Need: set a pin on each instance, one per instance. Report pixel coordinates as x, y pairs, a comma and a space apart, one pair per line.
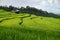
31, 10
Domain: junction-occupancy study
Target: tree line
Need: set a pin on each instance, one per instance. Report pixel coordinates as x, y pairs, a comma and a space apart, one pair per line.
31, 10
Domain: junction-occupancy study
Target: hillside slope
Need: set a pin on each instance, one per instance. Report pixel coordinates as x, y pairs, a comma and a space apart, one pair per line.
24, 27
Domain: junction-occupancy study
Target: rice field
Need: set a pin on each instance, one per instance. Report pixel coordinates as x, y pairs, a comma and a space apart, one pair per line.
31, 28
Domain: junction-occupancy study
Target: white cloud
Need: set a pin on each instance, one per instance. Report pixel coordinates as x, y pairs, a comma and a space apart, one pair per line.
43, 3
35, 0
50, 1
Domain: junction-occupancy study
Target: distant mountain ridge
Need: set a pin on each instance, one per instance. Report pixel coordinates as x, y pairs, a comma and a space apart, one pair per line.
30, 10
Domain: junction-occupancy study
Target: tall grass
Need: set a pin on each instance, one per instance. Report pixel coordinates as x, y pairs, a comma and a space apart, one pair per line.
17, 33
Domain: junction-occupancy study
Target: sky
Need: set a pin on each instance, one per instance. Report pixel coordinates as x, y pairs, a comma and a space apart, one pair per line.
46, 5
